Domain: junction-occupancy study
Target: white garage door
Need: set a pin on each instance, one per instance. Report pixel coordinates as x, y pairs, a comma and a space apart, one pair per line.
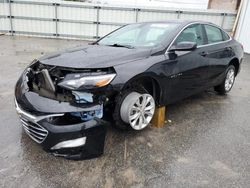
243, 29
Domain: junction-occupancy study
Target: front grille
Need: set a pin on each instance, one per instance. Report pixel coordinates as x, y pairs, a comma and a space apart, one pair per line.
34, 130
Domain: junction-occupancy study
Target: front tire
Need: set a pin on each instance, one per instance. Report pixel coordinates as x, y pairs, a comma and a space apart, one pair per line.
134, 109
228, 81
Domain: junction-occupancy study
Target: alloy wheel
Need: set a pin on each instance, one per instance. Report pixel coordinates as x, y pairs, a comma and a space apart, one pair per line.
229, 79
138, 110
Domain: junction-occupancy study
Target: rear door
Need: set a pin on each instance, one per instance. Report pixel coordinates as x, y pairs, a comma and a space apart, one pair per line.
218, 52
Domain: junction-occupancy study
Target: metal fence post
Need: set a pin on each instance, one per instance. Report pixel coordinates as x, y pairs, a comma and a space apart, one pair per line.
56, 19
97, 21
223, 19
178, 13
137, 14
10, 17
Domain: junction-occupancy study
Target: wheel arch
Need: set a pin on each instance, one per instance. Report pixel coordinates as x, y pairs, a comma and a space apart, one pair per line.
148, 82
236, 63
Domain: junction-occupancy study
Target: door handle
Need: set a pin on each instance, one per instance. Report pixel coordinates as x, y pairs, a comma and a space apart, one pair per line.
203, 53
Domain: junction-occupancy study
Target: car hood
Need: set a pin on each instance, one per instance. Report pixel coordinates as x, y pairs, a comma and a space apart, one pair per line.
94, 56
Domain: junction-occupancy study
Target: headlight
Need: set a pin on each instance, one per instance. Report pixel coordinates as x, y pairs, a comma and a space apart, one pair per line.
75, 81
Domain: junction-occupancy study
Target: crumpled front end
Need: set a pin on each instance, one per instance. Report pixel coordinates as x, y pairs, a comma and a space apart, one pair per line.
66, 121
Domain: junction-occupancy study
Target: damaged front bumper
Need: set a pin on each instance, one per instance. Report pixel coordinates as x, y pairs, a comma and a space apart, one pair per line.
56, 126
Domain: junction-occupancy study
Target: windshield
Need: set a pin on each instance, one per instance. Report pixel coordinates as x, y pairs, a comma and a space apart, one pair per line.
139, 35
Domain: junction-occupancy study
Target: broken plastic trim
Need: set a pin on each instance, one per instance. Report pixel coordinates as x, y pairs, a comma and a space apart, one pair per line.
46, 80
86, 116
83, 97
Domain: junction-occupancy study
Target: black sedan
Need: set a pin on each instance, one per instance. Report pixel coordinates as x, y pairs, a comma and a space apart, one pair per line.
61, 98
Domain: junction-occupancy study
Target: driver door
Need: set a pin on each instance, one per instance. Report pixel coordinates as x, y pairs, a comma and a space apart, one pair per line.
190, 70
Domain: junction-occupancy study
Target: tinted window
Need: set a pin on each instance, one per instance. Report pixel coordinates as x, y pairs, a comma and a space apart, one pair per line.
192, 33
225, 36
214, 34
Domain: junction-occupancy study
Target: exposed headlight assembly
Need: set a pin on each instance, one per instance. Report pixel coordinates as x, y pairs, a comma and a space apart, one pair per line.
76, 81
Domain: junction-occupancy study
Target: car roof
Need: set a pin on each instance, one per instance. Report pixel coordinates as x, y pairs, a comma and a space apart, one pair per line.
180, 21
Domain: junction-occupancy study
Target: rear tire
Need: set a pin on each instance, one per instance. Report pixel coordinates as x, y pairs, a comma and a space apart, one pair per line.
134, 109
228, 81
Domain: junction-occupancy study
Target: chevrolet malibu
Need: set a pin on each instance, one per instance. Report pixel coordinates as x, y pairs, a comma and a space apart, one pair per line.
61, 98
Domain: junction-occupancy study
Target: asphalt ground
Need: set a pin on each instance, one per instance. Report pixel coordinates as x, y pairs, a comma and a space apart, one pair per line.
206, 143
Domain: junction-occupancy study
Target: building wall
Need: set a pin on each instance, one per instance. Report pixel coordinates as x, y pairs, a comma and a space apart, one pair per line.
223, 4
243, 28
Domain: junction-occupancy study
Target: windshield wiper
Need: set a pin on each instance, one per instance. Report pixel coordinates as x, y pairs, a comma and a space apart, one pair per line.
94, 43
121, 45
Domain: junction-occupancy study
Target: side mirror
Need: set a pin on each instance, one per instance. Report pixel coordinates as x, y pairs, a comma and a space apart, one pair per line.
184, 46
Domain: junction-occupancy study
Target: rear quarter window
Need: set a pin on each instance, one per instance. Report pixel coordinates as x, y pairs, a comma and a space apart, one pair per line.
225, 35
214, 34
